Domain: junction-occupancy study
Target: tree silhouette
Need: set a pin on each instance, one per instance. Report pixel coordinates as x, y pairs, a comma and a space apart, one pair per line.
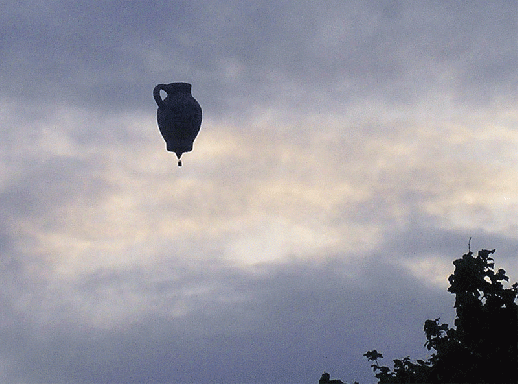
483, 346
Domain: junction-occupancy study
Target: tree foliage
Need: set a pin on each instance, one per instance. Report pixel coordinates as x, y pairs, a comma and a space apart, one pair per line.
483, 346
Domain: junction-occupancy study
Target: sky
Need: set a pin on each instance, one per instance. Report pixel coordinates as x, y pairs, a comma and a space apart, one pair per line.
348, 152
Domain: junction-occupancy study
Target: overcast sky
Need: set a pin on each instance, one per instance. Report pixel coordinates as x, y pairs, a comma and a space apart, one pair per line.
348, 152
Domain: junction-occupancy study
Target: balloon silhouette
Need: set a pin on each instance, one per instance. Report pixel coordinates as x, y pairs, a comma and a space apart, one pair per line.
178, 117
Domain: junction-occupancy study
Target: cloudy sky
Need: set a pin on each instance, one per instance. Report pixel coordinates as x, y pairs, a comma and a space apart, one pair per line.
348, 151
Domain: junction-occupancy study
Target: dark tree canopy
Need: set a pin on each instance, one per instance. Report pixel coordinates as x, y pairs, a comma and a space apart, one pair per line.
483, 346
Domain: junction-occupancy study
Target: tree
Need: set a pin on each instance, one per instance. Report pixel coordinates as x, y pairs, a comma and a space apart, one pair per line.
483, 346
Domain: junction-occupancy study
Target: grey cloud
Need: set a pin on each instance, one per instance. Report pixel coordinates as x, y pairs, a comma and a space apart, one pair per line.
99, 55
423, 237
311, 316
117, 267
46, 187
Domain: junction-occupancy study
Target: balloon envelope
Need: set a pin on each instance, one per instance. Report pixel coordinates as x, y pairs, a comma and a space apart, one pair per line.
179, 117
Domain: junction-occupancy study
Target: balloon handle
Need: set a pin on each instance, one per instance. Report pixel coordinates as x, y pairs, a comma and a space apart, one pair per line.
179, 162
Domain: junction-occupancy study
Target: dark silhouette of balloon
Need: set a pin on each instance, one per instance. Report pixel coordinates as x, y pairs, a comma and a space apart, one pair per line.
178, 117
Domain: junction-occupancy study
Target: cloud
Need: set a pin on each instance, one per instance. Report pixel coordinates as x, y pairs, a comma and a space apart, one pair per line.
250, 55
235, 325
347, 154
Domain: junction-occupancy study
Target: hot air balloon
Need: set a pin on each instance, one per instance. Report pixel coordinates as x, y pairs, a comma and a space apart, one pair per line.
178, 117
